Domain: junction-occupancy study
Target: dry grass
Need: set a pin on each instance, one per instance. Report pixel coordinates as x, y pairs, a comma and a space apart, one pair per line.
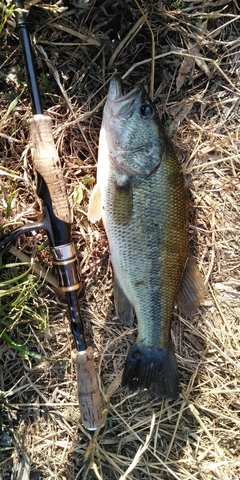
196, 89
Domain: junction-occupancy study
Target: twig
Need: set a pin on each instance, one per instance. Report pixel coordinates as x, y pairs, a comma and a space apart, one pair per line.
195, 413
129, 37
140, 451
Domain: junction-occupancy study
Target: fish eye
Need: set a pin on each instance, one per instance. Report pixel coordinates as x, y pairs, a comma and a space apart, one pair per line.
146, 111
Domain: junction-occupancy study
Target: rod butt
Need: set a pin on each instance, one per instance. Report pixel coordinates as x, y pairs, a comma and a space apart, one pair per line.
90, 397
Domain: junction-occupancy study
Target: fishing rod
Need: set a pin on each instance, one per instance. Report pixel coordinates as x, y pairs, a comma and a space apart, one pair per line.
56, 222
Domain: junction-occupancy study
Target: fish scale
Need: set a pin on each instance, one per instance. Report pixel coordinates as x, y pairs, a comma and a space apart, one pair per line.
149, 253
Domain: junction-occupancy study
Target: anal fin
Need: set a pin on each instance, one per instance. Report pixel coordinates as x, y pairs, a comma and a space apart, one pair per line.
192, 289
123, 307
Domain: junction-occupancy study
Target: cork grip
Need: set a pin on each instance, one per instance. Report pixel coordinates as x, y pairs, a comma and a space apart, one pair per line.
47, 164
90, 398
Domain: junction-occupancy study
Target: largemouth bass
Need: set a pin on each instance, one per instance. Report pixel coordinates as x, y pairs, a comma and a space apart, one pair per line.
142, 199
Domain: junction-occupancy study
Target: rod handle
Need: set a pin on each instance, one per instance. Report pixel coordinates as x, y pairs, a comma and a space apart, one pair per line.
89, 395
47, 164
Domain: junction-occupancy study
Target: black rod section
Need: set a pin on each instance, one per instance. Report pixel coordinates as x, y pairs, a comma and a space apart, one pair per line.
76, 321
24, 38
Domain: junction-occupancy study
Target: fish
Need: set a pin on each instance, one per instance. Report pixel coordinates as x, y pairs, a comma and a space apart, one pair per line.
142, 199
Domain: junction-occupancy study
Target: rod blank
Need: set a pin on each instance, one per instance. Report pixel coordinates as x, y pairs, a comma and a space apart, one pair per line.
24, 38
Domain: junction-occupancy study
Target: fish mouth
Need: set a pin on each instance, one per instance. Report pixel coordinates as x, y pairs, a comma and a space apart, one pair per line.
121, 104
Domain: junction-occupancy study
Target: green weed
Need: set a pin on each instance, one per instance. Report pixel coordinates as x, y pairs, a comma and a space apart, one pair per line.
5, 14
19, 290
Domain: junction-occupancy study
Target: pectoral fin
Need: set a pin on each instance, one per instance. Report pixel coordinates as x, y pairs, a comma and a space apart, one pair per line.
192, 289
123, 307
95, 205
123, 202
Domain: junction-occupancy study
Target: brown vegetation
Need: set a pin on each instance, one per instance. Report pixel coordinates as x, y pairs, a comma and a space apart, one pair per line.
196, 90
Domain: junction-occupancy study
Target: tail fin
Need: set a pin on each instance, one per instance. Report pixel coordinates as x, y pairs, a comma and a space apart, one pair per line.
152, 368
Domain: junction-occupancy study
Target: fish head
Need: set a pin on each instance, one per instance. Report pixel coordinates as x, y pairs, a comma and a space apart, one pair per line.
124, 106
132, 129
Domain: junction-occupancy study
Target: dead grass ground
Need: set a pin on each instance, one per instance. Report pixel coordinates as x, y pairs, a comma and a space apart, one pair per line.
196, 90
